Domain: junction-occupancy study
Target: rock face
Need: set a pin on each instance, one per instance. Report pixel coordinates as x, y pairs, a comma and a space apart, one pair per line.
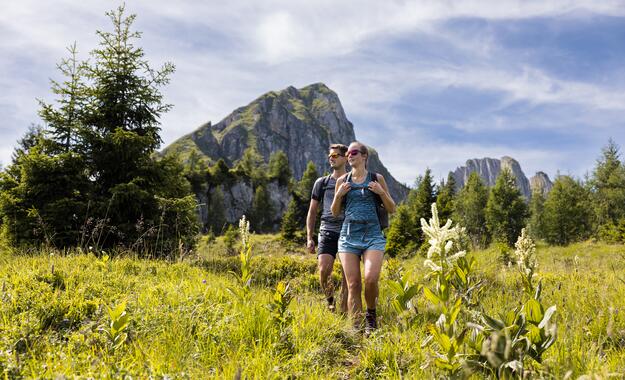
489, 169
300, 122
540, 182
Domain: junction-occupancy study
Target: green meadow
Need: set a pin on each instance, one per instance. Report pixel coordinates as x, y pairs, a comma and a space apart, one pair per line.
81, 315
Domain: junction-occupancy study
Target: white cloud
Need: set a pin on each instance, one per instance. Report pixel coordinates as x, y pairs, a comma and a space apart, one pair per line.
269, 45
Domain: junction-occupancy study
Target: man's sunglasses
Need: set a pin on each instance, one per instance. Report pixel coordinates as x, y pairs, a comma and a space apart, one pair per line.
353, 152
334, 155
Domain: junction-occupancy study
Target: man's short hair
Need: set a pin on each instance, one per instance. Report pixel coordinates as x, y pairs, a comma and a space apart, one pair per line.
340, 147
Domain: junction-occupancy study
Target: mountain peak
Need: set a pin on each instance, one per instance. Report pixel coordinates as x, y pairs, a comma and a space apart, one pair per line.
300, 122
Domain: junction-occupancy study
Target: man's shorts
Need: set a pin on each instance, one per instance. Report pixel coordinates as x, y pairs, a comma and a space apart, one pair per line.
357, 238
328, 243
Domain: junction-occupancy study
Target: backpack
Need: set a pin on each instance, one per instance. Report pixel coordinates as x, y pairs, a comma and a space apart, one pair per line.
379, 205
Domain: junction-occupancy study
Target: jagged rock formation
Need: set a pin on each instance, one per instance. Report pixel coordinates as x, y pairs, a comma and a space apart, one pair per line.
489, 169
300, 122
540, 182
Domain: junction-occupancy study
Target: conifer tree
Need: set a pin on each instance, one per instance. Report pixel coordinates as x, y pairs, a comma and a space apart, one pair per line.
506, 209
95, 157
405, 235
279, 168
536, 223
424, 197
261, 217
470, 210
608, 191
567, 212
400, 237
216, 211
445, 199
294, 219
252, 165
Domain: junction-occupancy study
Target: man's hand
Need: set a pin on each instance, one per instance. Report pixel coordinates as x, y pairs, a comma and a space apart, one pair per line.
310, 245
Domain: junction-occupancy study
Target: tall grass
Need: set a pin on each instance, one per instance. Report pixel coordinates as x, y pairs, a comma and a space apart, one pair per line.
183, 323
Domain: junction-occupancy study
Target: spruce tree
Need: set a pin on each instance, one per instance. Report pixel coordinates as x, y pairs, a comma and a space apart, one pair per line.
567, 212
445, 199
608, 190
424, 197
253, 166
536, 223
294, 219
46, 189
405, 235
506, 209
279, 168
400, 238
216, 211
261, 216
91, 177
470, 210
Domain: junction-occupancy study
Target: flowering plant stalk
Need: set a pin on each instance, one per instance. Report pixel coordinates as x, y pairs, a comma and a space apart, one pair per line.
245, 256
442, 260
525, 254
503, 345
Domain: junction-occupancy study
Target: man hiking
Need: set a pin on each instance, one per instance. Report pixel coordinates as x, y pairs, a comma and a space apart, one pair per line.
323, 192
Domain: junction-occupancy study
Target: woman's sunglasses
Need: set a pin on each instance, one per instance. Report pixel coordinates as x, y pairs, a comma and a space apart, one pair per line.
353, 152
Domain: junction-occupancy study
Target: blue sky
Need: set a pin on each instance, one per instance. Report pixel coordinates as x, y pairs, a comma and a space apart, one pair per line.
427, 83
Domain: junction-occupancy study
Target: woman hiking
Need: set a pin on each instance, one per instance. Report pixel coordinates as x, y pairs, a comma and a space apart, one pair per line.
360, 192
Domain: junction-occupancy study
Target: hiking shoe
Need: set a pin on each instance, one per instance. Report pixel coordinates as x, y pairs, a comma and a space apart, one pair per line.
331, 305
371, 323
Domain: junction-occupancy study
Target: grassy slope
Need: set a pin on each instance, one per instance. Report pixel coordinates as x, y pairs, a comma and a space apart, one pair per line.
185, 323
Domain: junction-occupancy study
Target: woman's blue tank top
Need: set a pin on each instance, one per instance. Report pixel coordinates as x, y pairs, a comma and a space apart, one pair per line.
360, 203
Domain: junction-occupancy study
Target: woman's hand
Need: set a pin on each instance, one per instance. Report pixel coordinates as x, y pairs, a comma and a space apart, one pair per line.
344, 189
376, 187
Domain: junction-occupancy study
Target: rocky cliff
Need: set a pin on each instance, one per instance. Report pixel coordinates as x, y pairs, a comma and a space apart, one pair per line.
489, 169
300, 122
540, 182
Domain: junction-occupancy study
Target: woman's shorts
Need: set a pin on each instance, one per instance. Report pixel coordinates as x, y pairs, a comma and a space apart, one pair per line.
328, 243
357, 238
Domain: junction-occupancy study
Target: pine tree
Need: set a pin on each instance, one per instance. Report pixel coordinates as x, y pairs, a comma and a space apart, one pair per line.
405, 235
95, 158
305, 185
506, 209
64, 120
400, 238
536, 223
279, 168
567, 212
445, 198
470, 210
253, 166
216, 211
424, 197
608, 190
261, 217
294, 219
45, 190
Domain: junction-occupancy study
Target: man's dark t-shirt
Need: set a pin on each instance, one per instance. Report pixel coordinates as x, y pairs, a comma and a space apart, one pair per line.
328, 221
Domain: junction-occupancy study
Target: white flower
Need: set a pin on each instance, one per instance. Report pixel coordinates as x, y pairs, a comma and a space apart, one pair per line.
244, 231
432, 265
441, 239
525, 253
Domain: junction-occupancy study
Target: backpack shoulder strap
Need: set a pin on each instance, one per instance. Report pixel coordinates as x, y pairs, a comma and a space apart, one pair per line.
349, 177
324, 184
373, 176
